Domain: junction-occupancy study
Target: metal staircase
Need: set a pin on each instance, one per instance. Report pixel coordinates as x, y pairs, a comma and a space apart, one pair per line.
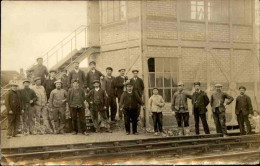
73, 47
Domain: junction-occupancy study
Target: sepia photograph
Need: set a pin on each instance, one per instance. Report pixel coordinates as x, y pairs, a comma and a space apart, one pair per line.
134, 82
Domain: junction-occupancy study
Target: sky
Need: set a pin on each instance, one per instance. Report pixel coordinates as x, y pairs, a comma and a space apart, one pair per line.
29, 29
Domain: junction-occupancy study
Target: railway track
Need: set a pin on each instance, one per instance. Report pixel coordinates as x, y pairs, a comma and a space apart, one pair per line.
154, 147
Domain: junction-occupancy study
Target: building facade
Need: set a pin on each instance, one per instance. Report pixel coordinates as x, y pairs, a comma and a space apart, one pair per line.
211, 41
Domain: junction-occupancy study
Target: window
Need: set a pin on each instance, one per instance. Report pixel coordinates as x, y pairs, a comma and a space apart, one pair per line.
218, 10
113, 11
163, 74
241, 12
197, 9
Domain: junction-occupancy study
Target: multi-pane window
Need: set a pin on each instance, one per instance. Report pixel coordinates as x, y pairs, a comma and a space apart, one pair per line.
218, 10
163, 74
197, 9
241, 11
113, 11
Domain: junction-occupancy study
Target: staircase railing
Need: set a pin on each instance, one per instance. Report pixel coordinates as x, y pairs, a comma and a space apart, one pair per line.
74, 41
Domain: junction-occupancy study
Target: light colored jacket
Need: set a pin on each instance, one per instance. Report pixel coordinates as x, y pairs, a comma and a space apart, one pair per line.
57, 98
155, 103
41, 95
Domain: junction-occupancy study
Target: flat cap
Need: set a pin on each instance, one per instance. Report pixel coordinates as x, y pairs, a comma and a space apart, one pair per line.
218, 85
52, 70
109, 68
75, 80
96, 81
135, 70
39, 58
92, 62
155, 88
13, 83
37, 78
121, 70
242, 87
196, 83
58, 81
26, 80
129, 84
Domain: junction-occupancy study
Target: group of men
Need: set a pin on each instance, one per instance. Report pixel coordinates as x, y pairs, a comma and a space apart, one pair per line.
218, 101
45, 100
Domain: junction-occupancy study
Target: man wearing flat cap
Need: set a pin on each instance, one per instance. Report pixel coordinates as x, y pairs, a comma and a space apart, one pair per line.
138, 86
218, 106
28, 98
49, 83
243, 109
107, 85
76, 74
92, 75
200, 101
180, 107
40, 70
119, 85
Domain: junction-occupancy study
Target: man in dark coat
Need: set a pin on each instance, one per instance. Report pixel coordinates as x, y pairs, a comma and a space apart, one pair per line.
119, 85
14, 107
76, 74
110, 92
28, 97
64, 80
92, 75
75, 99
200, 101
243, 109
129, 105
218, 106
97, 104
138, 86
49, 83
40, 70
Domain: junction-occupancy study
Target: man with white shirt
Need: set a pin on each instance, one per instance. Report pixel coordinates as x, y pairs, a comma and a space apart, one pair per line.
76, 74
97, 102
92, 75
107, 86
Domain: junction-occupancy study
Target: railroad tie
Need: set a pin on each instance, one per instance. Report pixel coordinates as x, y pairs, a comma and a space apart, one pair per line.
218, 141
148, 146
195, 143
238, 140
249, 145
76, 153
20, 150
174, 145
70, 146
46, 148
139, 141
227, 147
88, 145
116, 143
45, 156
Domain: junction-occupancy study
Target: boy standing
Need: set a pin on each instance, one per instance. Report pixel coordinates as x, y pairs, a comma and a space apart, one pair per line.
76, 98
155, 104
58, 106
129, 105
14, 108
97, 102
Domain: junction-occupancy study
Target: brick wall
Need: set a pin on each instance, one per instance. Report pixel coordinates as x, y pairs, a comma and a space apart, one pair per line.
113, 34
133, 8
157, 51
192, 31
218, 32
134, 29
242, 33
161, 8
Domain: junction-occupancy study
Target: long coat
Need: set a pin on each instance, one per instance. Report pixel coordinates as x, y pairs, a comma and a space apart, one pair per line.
71, 95
201, 100
79, 76
101, 94
13, 102
138, 85
244, 103
118, 84
90, 77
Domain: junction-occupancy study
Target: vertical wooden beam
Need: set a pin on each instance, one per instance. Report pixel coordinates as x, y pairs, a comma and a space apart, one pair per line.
127, 35
180, 77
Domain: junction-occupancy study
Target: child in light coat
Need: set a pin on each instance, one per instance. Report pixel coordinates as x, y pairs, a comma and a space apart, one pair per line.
155, 104
256, 120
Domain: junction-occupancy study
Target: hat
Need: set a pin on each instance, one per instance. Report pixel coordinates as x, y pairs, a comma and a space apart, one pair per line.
52, 70
135, 71
180, 83
92, 62
39, 58
109, 68
129, 84
121, 70
218, 85
242, 87
26, 80
196, 83
96, 81
58, 81
13, 83
155, 88
37, 78
75, 80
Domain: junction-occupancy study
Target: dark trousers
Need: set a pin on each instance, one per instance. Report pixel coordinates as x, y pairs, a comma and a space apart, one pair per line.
220, 121
95, 110
130, 114
28, 121
242, 119
59, 118
157, 121
81, 113
111, 103
182, 118
203, 119
13, 124
120, 113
